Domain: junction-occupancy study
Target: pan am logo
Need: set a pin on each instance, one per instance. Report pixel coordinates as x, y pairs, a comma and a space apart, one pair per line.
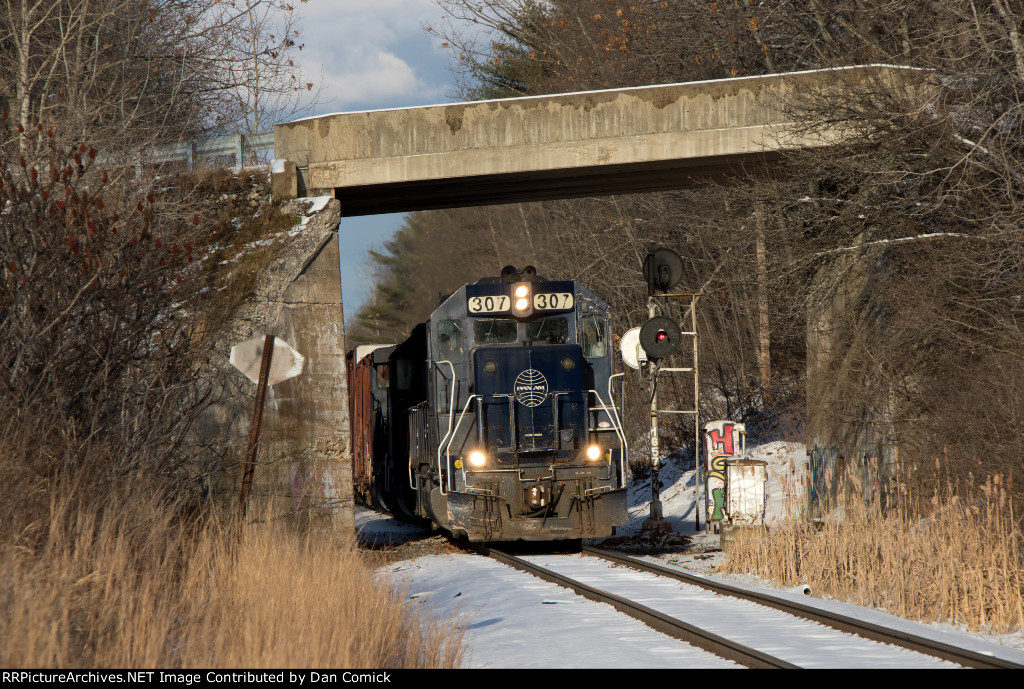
531, 387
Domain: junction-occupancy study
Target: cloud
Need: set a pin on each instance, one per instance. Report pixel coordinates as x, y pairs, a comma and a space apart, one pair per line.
371, 78
372, 54
379, 18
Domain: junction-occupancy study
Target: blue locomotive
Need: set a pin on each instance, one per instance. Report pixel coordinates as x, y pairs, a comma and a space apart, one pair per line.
501, 420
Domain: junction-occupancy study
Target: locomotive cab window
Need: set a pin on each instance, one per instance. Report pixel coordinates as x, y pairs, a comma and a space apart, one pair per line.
449, 341
495, 331
595, 344
550, 330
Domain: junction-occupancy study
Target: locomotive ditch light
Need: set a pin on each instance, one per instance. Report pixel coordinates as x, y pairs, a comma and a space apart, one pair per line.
594, 452
660, 337
477, 459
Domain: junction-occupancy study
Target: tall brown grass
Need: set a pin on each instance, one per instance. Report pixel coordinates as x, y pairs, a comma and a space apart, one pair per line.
953, 558
126, 581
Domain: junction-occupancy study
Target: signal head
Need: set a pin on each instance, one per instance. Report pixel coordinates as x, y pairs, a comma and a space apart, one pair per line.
663, 268
660, 337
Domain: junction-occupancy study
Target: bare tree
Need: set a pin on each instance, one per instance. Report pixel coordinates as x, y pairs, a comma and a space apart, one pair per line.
97, 306
256, 65
898, 255
136, 72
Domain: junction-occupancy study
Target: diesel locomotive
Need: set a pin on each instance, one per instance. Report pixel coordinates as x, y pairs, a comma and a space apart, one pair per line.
495, 419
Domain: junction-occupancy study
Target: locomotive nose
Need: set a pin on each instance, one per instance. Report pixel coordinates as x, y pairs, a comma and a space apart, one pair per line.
532, 401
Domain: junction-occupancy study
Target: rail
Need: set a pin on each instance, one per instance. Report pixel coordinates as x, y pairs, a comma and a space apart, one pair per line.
665, 624
837, 621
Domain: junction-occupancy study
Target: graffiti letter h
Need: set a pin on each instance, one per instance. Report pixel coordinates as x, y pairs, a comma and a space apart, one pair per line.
722, 440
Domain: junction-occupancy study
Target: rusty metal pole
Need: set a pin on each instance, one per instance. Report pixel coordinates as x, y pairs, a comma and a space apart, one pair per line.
254, 431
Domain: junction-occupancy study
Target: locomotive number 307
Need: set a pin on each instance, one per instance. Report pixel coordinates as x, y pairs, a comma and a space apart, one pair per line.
552, 300
499, 302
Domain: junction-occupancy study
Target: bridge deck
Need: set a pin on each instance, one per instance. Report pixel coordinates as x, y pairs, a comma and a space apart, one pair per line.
577, 144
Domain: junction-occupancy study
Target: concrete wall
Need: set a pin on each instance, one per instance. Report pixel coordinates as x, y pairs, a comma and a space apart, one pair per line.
849, 424
304, 471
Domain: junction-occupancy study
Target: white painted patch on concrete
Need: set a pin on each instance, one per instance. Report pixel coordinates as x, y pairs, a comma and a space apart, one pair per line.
319, 203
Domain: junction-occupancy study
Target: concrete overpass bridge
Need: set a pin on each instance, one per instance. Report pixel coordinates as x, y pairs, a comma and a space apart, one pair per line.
641, 139
649, 138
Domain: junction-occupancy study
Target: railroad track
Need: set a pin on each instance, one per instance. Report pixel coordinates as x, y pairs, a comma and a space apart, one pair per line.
716, 643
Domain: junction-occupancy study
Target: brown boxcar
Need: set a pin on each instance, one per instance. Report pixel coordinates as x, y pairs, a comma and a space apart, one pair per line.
368, 405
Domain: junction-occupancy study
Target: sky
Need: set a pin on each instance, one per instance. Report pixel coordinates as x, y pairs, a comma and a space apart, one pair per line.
370, 55
504, 612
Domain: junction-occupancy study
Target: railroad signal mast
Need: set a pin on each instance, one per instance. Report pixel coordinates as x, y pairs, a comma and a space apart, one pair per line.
660, 337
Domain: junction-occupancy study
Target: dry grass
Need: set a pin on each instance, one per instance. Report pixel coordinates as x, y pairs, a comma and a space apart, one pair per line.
136, 587
960, 562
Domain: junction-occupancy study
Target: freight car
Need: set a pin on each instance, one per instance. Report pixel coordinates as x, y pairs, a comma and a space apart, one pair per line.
498, 415
368, 407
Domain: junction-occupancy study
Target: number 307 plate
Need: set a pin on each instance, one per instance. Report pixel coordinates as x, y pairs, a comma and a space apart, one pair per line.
549, 301
494, 304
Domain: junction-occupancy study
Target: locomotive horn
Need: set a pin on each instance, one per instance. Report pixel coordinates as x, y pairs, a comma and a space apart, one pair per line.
528, 274
509, 274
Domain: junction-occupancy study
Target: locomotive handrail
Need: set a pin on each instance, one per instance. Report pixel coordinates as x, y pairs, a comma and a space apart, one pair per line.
448, 447
622, 439
615, 411
451, 406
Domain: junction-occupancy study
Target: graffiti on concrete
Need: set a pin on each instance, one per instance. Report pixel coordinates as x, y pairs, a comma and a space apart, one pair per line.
721, 440
716, 489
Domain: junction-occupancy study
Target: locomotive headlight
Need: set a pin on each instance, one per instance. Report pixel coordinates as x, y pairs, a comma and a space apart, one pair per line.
477, 458
522, 297
593, 452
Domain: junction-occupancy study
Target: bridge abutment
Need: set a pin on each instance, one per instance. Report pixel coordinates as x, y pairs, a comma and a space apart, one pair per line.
304, 471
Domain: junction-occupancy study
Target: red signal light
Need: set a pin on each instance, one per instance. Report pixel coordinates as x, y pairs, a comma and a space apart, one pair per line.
660, 337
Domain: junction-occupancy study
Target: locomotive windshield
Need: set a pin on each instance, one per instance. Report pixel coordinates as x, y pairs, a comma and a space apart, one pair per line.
495, 331
554, 330
550, 330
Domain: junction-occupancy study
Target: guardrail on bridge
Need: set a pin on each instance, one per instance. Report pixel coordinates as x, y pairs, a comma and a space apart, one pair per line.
238, 145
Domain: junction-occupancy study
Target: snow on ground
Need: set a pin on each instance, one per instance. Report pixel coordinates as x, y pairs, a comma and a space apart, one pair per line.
375, 528
514, 620
787, 469
508, 616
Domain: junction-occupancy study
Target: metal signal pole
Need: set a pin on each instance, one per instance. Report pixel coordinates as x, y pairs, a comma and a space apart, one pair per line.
657, 515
